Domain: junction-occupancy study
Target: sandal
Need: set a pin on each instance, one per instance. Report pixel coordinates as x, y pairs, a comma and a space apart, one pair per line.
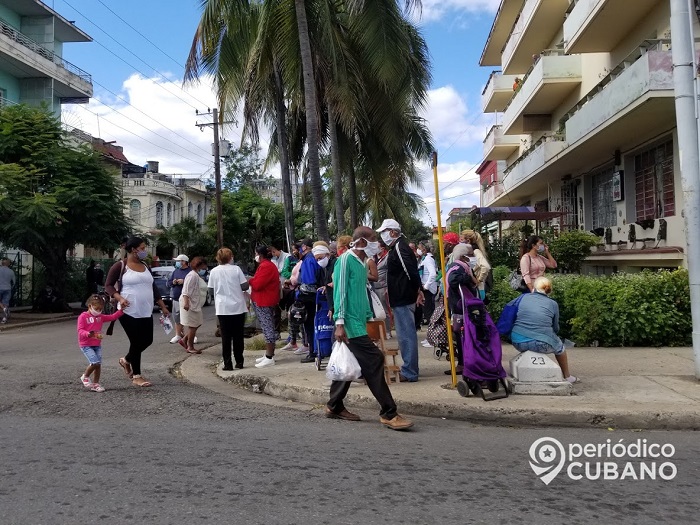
140, 382
127, 367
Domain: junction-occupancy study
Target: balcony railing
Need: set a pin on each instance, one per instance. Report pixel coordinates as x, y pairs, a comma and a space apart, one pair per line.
11, 33
6, 102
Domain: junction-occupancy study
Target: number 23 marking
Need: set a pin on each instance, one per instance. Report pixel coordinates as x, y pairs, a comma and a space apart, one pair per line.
538, 360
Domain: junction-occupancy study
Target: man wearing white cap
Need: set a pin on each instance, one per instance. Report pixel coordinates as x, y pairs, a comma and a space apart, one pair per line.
404, 289
175, 282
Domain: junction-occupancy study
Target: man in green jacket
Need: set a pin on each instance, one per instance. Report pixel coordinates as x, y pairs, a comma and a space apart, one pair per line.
352, 311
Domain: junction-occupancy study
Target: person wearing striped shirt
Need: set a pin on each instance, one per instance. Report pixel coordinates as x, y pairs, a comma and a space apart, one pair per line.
352, 311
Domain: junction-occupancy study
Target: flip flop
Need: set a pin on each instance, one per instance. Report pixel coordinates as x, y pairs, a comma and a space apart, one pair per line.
127, 367
141, 382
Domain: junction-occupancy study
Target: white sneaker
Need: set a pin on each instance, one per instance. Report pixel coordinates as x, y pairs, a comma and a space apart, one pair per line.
195, 340
388, 336
573, 379
426, 344
260, 359
175, 339
95, 387
302, 350
86, 381
265, 362
289, 346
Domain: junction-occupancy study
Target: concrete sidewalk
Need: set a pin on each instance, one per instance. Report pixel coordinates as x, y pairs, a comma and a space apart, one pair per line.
631, 388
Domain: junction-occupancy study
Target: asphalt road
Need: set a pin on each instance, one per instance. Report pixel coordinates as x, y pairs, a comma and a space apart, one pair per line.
178, 453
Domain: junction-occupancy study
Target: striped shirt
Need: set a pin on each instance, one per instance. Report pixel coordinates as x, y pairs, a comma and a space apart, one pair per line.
350, 295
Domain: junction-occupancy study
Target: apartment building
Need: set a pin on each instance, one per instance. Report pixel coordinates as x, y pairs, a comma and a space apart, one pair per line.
582, 91
32, 68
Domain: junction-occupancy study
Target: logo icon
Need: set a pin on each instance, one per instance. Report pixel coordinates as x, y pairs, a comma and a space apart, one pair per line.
547, 457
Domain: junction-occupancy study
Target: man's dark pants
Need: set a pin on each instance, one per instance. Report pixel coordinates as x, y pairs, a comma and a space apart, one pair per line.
371, 362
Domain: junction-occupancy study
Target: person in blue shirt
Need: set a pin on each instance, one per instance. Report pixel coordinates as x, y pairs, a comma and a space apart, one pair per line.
175, 282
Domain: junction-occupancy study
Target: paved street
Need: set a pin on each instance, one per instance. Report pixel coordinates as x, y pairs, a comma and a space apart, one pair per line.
179, 453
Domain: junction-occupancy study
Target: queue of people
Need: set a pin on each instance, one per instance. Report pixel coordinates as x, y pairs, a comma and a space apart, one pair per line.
405, 276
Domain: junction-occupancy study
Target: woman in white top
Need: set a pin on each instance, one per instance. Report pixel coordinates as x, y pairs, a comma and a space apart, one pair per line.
229, 283
428, 279
194, 293
136, 295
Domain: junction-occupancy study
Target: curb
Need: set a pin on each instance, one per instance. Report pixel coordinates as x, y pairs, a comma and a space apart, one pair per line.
487, 414
6, 327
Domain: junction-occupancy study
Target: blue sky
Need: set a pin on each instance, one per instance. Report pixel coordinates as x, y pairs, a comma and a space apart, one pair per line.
139, 101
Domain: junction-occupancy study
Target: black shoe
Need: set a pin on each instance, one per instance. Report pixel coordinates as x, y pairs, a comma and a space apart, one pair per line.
309, 359
239, 365
227, 368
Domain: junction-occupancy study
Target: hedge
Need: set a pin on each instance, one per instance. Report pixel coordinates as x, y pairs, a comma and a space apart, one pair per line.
651, 308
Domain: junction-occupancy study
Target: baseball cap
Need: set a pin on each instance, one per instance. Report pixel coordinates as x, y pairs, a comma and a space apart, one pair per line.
389, 224
182, 257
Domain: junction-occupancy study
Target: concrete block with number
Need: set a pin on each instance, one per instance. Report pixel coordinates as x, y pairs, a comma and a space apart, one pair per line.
537, 374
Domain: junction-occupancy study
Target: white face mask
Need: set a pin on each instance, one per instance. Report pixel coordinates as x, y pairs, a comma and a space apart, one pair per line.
371, 249
419, 252
94, 312
387, 238
257, 258
323, 262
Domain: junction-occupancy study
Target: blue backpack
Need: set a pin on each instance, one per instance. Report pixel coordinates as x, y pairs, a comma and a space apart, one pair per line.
507, 319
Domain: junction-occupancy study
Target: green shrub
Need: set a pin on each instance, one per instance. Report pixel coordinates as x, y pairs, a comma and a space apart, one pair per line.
643, 309
571, 248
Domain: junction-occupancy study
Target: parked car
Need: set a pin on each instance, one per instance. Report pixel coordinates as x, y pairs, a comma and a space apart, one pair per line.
164, 272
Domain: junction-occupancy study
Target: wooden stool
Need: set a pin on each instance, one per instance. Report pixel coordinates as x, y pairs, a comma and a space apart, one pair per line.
377, 333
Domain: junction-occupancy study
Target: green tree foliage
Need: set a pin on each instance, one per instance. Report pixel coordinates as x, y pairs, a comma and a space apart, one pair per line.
243, 167
504, 252
53, 197
571, 248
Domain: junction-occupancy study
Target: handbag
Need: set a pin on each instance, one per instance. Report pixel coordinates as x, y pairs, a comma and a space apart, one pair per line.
437, 329
516, 281
508, 316
376, 305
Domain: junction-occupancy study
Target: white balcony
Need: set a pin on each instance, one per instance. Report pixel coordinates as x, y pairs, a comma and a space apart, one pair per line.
551, 80
598, 26
500, 31
24, 58
498, 146
538, 23
498, 92
491, 194
134, 187
636, 101
527, 166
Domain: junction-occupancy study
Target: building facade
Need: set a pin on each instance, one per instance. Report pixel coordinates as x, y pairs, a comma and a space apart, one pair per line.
584, 98
32, 68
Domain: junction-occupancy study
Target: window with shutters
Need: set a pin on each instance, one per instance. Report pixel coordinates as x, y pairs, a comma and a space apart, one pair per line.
135, 210
603, 209
654, 188
169, 215
159, 214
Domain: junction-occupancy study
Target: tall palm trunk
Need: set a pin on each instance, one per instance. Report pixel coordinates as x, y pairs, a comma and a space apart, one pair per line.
288, 203
312, 121
337, 173
352, 196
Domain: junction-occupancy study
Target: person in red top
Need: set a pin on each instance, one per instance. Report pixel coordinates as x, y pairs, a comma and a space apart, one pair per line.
90, 340
265, 294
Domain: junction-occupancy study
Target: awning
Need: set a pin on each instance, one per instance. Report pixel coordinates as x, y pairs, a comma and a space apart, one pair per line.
514, 213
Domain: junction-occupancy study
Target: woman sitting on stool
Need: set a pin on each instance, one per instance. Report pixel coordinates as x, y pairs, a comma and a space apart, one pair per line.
537, 324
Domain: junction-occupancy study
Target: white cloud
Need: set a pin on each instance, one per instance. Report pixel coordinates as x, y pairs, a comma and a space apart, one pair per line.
155, 120
437, 9
451, 122
458, 185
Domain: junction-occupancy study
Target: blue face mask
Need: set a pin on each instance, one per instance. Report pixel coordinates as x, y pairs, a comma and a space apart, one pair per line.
178, 265
142, 254
202, 272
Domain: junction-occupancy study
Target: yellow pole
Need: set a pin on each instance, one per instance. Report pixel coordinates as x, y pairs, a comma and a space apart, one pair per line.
450, 342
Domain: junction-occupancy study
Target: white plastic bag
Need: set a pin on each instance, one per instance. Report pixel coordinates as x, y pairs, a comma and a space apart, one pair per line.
166, 324
342, 366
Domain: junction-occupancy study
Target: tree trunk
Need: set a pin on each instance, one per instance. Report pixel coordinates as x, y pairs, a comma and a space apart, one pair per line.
352, 196
337, 173
312, 121
287, 199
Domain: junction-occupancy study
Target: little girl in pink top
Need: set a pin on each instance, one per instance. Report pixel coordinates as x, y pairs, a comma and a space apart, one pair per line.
90, 340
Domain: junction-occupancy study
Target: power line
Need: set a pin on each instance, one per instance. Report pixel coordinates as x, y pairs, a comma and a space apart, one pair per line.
131, 65
141, 34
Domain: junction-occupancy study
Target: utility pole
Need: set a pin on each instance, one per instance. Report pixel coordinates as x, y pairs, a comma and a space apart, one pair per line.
217, 169
683, 52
